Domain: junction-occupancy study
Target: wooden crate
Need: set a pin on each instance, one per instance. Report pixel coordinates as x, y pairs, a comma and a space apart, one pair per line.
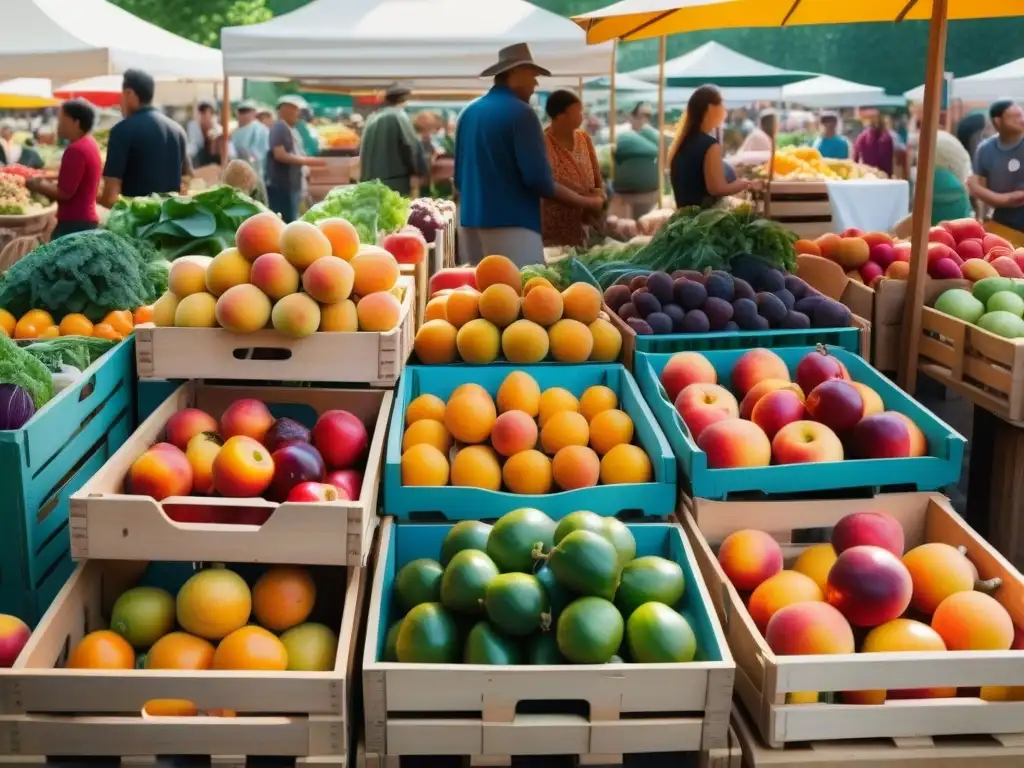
340, 171
215, 353
49, 710
763, 679
919, 752
802, 206
471, 710
984, 368
109, 524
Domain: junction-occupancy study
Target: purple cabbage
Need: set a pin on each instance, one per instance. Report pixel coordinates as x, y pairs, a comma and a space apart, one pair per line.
16, 407
427, 218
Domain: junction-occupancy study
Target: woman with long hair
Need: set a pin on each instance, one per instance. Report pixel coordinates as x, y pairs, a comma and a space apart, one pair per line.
695, 157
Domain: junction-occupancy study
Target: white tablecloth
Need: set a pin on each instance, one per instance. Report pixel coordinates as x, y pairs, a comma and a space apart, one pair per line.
871, 205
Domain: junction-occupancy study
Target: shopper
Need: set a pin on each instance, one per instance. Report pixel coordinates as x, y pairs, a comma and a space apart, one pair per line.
831, 144
875, 146
998, 179
147, 152
80, 169
635, 188
574, 165
760, 139
285, 160
696, 167
501, 166
251, 139
391, 151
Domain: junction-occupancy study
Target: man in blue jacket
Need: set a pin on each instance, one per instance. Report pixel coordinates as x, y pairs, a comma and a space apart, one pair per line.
502, 169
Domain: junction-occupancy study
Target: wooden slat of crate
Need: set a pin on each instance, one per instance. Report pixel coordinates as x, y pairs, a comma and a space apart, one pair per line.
763, 679
986, 369
418, 274
215, 353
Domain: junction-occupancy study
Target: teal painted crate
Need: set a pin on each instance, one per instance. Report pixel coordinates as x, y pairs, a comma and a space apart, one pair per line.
650, 499
940, 468
46, 461
632, 707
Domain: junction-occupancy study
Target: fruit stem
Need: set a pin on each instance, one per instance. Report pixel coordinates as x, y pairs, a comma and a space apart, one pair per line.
821, 349
962, 550
545, 622
538, 551
988, 586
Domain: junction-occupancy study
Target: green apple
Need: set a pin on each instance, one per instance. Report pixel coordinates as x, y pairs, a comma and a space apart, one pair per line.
1005, 324
1006, 301
960, 304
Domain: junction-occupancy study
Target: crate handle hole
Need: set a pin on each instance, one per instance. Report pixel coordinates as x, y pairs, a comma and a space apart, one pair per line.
88, 389
261, 353
576, 707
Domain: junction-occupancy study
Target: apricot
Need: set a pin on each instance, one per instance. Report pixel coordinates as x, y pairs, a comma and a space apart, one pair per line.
937, 571
259, 234
749, 557
828, 244
328, 280
186, 424
436, 309
303, 243
498, 269
228, 268
375, 270
809, 629
754, 366
424, 465
340, 318
476, 466
575, 466
553, 400
164, 310
610, 428
570, 341
296, 315
429, 431
162, 471
426, 406
513, 432
273, 275
462, 307
816, 561
478, 342
596, 399
344, 237
562, 429
468, 387
626, 464
499, 303
973, 621
435, 342
377, 312
582, 302
196, 311
607, 341
187, 276
543, 305
528, 472
519, 392
778, 591
900, 635
524, 342
243, 309
470, 416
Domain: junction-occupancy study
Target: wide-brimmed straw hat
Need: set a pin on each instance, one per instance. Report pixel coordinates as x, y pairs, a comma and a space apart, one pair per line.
513, 56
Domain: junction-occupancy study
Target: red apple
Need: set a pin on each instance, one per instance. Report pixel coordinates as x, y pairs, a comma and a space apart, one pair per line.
341, 439
876, 529
294, 464
777, 409
869, 585
816, 367
348, 482
805, 442
286, 431
939, 235
881, 436
308, 492
14, 633
248, 417
837, 404
701, 405
970, 249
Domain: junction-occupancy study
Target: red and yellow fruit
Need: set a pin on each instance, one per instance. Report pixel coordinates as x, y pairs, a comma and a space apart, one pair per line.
778, 591
161, 472
242, 468
259, 234
869, 586
749, 557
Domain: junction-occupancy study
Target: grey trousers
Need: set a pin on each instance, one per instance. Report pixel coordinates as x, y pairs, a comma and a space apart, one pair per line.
522, 246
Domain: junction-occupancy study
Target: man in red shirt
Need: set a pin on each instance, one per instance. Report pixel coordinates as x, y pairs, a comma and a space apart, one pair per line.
80, 170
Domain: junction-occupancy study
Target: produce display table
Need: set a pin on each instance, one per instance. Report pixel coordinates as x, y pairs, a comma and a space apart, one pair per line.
33, 228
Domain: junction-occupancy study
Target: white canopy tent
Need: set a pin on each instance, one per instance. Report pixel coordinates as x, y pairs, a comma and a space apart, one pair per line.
828, 91
715, 64
427, 43
1003, 82
65, 40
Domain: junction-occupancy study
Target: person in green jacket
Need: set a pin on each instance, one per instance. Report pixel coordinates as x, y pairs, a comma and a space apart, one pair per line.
950, 198
636, 166
391, 149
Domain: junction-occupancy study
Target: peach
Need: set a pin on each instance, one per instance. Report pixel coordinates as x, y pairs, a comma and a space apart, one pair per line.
701, 405
734, 443
228, 269
14, 634
851, 252
528, 472
685, 368
803, 442
476, 466
758, 365
498, 269
436, 309
1006, 267
749, 557
543, 305
562, 429
524, 342
940, 235
340, 318
164, 310
937, 571
160, 472
303, 243
186, 424
881, 436
778, 591
872, 401
990, 241
607, 341
188, 275
869, 586
809, 629
918, 442
296, 315
761, 389
876, 529
582, 302
242, 468
973, 621
248, 417
328, 280
478, 341
828, 244
375, 270
196, 311
898, 270
626, 464
243, 309
777, 409
570, 340
426, 406
273, 275
499, 303
575, 466
436, 342
902, 251
808, 247
902, 635
259, 234
344, 237
201, 453
513, 431
519, 392
377, 312
816, 561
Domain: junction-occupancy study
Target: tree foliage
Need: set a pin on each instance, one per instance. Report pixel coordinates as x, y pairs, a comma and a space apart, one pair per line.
198, 20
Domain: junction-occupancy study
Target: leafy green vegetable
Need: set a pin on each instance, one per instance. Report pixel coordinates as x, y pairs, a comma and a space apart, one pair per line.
88, 272
203, 224
79, 351
18, 367
370, 207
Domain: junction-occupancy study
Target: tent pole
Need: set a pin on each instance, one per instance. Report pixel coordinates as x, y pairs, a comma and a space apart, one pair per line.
225, 122
579, 88
923, 196
661, 116
613, 114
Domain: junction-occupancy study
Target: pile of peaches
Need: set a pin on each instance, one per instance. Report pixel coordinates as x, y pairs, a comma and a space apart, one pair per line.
819, 414
928, 599
250, 454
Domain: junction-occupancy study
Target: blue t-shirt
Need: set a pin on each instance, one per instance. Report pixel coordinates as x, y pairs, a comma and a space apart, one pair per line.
833, 147
1003, 169
501, 163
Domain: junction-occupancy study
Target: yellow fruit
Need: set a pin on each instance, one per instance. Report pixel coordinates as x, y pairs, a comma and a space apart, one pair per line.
610, 428
429, 431
478, 342
436, 342
164, 309
607, 341
519, 392
626, 464
197, 311
476, 466
424, 465
596, 399
528, 472
213, 603
425, 406
554, 400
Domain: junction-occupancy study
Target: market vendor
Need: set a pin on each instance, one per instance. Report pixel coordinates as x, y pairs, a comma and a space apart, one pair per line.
831, 144
391, 150
285, 160
998, 178
501, 167
80, 167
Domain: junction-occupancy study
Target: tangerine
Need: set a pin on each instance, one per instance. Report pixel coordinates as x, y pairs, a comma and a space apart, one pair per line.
283, 598
102, 649
213, 603
75, 325
253, 648
180, 650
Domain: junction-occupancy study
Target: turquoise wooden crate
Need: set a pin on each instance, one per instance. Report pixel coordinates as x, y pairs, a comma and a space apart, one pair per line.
843, 338
46, 461
940, 468
656, 498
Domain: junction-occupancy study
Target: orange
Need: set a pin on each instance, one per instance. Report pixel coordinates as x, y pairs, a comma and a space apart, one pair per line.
102, 649
120, 320
40, 318
144, 315
180, 650
52, 332
251, 648
169, 708
7, 322
283, 597
27, 330
76, 325
106, 331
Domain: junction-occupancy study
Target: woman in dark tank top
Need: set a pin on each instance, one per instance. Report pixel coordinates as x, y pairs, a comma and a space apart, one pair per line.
696, 168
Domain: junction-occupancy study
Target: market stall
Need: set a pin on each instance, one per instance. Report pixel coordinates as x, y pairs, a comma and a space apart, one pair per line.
829, 91
1002, 82
105, 90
